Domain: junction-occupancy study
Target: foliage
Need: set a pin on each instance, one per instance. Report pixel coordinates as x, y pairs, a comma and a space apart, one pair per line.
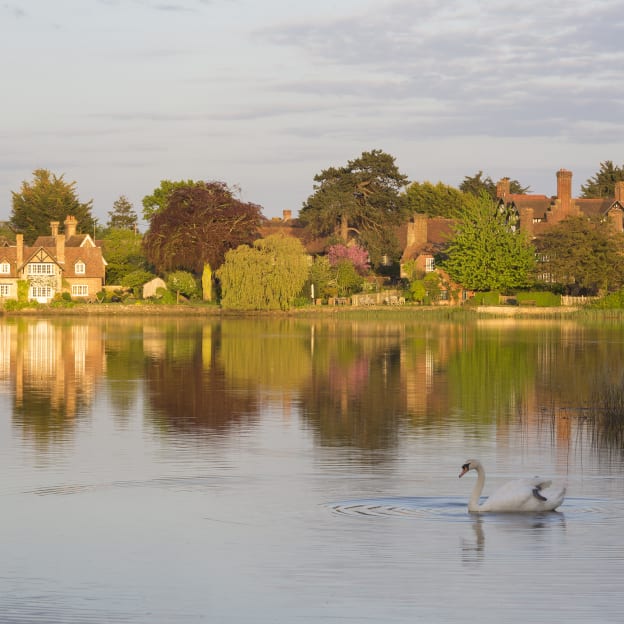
602, 184
267, 276
136, 279
612, 301
200, 223
433, 285
477, 184
47, 198
6, 233
322, 278
159, 199
417, 290
484, 254
354, 254
542, 298
348, 280
123, 215
123, 252
437, 200
182, 283
361, 197
584, 255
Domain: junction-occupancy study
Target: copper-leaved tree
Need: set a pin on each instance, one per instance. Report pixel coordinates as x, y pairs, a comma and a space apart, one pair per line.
199, 224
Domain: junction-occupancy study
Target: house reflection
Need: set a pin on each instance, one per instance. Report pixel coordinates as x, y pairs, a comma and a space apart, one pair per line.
53, 369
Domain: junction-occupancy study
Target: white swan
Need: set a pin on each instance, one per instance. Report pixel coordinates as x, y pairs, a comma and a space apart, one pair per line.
534, 494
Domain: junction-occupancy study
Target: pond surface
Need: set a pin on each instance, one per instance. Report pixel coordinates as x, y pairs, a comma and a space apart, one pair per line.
286, 471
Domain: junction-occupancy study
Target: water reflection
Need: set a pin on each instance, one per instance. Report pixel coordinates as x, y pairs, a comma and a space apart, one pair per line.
52, 369
355, 384
531, 533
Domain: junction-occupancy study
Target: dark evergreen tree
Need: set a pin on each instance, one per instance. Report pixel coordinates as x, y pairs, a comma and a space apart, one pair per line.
602, 184
48, 198
123, 215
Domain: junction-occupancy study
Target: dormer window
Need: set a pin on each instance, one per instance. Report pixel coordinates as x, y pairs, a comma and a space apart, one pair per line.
5, 268
79, 267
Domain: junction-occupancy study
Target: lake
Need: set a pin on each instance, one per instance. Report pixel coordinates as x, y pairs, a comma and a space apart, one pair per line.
305, 470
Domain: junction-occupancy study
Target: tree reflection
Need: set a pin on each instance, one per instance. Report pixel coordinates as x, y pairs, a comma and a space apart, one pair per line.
186, 387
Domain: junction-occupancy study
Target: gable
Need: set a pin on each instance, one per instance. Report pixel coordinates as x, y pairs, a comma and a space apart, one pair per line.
41, 256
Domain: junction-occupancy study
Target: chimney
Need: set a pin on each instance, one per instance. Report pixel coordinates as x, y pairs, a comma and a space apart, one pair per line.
502, 188
19, 244
564, 191
60, 248
54, 226
417, 230
286, 215
70, 226
619, 191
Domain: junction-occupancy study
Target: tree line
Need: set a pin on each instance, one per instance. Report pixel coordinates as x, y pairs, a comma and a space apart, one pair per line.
203, 229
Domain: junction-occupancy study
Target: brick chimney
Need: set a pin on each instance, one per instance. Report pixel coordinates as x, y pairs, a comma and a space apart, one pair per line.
619, 191
564, 191
54, 226
19, 253
503, 188
286, 215
417, 230
60, 248
70, 226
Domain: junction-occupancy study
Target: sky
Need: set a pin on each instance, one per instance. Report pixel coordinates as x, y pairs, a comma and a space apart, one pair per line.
117, 95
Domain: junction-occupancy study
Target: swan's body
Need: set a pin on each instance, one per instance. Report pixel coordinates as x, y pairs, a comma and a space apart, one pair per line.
535, 494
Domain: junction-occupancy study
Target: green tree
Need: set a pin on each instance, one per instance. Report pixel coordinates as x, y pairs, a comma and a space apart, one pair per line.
199, 225
477, 184
181, 283
6, 233
435, 200
47, 198
123, 215
123, 252
583, 255
158, 200
321, 278
363, 197
267, 276
602, 184
136, 280
348, 280
485, 254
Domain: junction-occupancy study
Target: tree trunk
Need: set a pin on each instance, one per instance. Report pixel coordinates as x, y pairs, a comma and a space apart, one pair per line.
344, 228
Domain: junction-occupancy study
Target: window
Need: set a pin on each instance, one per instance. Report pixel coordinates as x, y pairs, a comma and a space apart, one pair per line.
41, 268
5, 267
5, 290
429, 265
40, 292
79, 267
80, 290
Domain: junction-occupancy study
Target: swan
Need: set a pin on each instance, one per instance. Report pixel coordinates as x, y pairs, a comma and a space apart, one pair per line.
534, 494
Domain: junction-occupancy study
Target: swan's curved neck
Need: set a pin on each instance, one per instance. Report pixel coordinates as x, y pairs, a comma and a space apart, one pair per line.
473, 503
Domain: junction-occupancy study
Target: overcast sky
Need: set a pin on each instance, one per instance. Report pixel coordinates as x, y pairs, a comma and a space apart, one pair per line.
263, 94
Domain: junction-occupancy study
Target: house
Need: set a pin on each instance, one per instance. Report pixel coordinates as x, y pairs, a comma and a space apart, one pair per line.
68, 262
536, 213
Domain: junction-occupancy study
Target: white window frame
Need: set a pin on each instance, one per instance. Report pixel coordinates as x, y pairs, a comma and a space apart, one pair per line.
429, 265
80, 290
80, 267
5, 290
41, 292
41, 268
5, 268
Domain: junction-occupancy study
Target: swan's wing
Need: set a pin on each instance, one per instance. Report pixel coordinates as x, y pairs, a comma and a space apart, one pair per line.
524, 495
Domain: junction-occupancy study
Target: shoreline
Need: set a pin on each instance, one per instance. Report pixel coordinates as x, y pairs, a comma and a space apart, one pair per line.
185, 310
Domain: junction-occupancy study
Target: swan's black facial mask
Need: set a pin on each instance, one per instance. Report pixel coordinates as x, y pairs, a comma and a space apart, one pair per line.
465, 469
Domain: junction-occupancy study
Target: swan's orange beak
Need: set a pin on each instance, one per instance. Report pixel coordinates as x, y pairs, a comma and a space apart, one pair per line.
465, 469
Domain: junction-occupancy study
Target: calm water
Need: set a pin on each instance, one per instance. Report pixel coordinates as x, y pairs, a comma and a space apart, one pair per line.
294, 471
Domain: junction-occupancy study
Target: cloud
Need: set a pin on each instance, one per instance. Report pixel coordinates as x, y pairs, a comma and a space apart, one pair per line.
13, 9
500, 69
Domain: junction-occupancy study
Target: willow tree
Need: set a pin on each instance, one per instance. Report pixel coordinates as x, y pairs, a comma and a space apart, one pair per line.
199, 224
266, 276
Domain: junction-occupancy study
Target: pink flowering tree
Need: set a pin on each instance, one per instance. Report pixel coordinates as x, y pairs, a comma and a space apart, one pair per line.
354, 254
